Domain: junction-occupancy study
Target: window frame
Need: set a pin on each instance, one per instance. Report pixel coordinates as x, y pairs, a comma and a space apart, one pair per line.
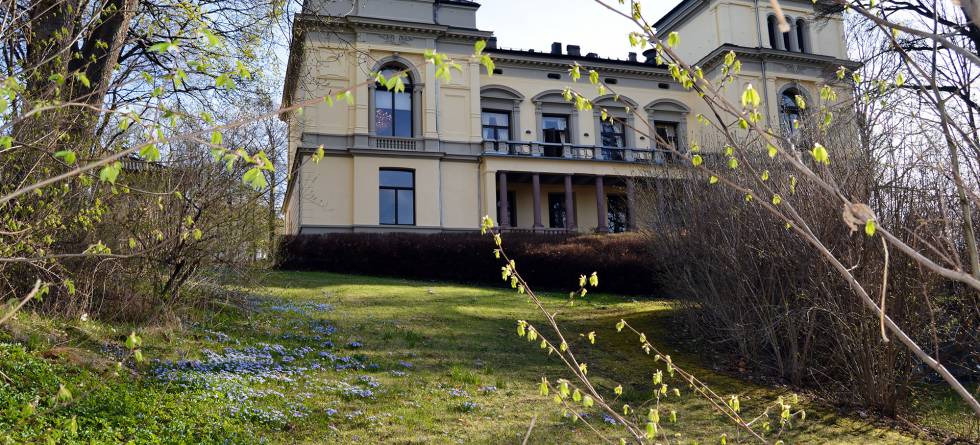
775, 37
567, 131
802, 35
784, 109
561, 204
409, 90
616, 204
497, 128
620, 135
396, 189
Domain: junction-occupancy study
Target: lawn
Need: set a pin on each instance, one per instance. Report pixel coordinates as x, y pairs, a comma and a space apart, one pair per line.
326, 358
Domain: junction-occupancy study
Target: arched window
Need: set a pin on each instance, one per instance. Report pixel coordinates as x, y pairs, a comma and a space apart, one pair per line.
790, 112
788, 37
774, 40
393, 110
802, 35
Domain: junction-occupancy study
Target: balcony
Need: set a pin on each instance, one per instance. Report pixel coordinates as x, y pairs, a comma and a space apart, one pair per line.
396, 143
581, 152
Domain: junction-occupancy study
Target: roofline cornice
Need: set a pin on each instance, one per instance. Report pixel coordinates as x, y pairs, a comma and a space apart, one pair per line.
355, 23
545, 60
769, 54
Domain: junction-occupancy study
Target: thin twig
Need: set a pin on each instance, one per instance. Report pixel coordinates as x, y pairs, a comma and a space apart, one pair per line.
30, 295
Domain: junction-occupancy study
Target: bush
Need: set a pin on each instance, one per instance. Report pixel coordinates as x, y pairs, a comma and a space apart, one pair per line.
760, 294
554, 262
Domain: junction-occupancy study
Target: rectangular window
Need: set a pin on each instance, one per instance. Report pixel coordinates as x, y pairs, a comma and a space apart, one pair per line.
392, 113
618, 213
613, 134
556, 209
496, 125
396, 197
613, 138
668, 132
555, 129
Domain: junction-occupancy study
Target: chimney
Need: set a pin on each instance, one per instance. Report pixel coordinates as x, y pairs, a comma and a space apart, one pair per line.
632, 56
651, 56
574, 50
556, 48
492, 43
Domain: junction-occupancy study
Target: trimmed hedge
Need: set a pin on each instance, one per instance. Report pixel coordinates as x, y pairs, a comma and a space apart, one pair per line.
551, 262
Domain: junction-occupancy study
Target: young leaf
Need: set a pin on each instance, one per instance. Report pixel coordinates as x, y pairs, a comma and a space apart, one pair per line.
67, 156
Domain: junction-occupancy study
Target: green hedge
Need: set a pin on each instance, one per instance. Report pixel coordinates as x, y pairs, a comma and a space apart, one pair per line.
551, 262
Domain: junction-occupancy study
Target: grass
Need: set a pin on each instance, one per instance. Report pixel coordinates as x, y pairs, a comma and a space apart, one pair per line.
326, 358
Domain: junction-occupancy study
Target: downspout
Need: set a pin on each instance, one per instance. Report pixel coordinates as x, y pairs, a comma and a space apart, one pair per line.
765, 81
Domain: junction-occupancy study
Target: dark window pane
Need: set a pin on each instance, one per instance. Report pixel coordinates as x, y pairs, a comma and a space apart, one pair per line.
668, 132
554, 122
383, 117
397, 178
612, 140
406, 207
387, 206
789, 111
403, 101
618, 215
556, 210
382, 122
403, 123
496, 119
391, 71
801, 35
773, 33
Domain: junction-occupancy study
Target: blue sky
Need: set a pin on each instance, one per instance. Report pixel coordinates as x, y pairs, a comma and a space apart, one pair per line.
534, 24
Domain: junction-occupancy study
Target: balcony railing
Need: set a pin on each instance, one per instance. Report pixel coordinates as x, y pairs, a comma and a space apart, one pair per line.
574, 151
396, 143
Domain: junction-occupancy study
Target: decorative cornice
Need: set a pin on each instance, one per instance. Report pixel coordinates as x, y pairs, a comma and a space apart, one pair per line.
769, 54
535, 59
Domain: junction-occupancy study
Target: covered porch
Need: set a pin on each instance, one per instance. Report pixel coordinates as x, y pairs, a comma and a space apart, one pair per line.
539, 202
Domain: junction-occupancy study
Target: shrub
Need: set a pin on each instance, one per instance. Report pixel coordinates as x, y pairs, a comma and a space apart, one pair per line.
549, 261
757, 292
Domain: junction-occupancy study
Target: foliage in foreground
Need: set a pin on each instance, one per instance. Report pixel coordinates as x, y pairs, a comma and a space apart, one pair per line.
396, 370
62, 403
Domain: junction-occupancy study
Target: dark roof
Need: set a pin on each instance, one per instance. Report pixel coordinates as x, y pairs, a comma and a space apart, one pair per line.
586, 59
460, 3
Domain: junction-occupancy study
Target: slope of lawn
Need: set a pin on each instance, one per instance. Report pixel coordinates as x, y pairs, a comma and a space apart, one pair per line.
326, 358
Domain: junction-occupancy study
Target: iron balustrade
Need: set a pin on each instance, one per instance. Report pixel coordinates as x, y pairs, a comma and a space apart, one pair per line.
576, 151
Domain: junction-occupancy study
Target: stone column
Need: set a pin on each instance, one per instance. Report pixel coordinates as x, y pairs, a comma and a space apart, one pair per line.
569, 205
504, 206
536, 196
600, 198
630, 205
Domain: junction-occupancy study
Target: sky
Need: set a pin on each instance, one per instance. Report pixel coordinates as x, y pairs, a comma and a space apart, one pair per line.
534, 24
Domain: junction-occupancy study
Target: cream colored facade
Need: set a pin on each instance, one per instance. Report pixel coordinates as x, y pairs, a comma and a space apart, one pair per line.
457, 175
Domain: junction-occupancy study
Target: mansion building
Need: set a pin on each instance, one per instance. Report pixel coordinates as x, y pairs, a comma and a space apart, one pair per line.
440, 155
